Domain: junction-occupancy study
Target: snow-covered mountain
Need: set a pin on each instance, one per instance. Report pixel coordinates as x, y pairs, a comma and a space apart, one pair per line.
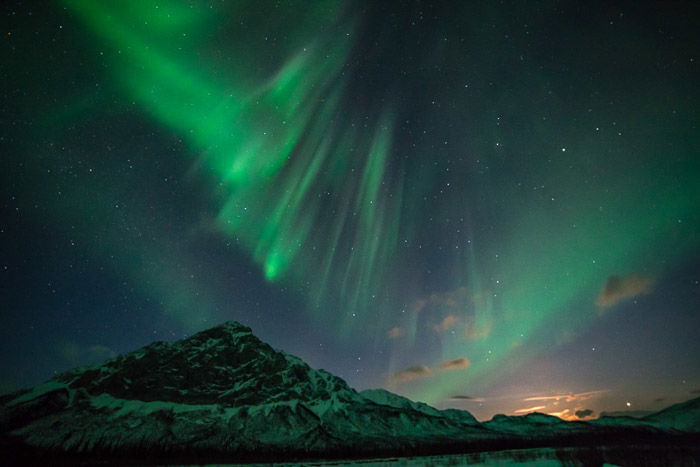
384, 397
532, 424
684, 416
221, 390
226, 365
224, 394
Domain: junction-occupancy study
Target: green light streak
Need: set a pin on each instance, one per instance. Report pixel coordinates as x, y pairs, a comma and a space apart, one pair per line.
311, 197
266, 139
556, 265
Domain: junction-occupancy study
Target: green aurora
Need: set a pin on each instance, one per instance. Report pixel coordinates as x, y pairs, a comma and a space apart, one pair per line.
477, 225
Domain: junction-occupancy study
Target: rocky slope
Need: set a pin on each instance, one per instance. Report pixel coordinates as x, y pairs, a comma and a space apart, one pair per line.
221, 390
224, 394
684, 416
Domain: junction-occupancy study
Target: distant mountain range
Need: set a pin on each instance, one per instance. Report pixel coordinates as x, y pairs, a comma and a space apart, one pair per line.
222, 395
628, 413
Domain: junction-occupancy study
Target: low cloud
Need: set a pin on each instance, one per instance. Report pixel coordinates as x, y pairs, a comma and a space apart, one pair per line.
395, 333
620, 288
475, 333
695, 391
410, 374
468, 398
456, 364
530, 409
447, 323
572, 415
451, 299
582, 396
422, 371
459, 309
563, 414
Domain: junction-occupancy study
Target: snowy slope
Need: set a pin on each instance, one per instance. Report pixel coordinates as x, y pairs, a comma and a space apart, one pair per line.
684, 416
226, 364
534, 424
220, 389
224, 391
384, 397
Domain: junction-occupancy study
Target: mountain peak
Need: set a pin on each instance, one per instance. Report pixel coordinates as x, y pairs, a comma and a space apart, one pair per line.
228, 327
225, 365
228, 331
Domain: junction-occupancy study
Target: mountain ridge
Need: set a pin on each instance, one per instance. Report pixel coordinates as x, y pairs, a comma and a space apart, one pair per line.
224, 391
219, 356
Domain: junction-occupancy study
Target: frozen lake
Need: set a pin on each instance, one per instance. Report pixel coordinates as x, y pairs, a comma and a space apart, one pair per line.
640, 455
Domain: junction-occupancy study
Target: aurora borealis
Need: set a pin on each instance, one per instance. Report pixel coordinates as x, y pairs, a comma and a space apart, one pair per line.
489, 207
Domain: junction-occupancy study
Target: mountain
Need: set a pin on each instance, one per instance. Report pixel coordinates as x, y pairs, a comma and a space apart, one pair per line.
226, 365
532, 424
223, 395
219, 391
684, 416
384, 397
628, 413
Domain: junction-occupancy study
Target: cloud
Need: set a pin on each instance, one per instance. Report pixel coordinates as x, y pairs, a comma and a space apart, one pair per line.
561, 414
662, 399
395, 333
459, 308
468, 398
620, 288
420, 305
695, 391
447, 323
82, 355
582, 396
566, 337
572, 415
530, 409
451, 299
422, 371
475, 333
410, 374
456, 364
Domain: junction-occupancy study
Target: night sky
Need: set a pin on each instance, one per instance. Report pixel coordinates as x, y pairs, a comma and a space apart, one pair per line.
493, 207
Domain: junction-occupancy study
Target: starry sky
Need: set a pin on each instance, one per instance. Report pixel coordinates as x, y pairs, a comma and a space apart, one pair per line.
489, 206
